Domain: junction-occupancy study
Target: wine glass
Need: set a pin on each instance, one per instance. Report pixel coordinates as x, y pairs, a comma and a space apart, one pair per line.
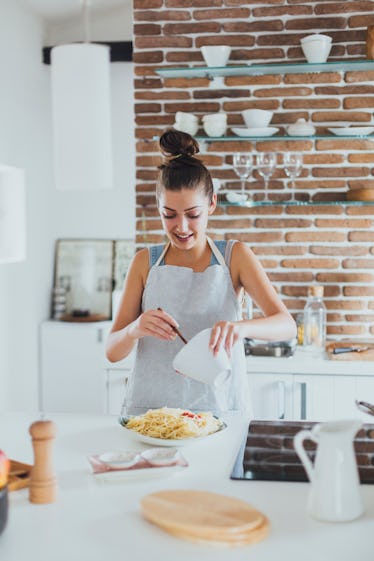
293, 162
242, 165
266, 162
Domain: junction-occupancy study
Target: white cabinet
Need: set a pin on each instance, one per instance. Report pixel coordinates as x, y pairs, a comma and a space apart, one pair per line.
76, 377
315, 397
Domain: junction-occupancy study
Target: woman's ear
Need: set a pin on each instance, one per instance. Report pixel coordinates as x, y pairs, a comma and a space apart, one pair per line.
213, 204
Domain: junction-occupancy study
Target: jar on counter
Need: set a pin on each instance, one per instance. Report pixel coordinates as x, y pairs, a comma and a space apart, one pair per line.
315, 320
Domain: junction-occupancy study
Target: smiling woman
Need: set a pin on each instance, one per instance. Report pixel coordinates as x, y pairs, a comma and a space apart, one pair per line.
194, 282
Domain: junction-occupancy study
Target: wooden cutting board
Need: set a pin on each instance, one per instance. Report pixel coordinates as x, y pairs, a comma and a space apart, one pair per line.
364, 355
201, 516
19, 475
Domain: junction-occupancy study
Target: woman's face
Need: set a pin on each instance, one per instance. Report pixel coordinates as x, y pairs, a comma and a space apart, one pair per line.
184, 215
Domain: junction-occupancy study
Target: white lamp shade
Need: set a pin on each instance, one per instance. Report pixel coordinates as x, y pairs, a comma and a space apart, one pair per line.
81, 118
12, 215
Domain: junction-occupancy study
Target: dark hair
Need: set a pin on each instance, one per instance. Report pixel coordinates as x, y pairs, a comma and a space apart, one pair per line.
180, 169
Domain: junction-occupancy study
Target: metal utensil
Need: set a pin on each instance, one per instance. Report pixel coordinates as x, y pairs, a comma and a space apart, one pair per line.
176, 330
340, 350
365, 407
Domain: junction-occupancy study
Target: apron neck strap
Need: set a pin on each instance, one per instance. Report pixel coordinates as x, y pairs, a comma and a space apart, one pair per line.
216, 252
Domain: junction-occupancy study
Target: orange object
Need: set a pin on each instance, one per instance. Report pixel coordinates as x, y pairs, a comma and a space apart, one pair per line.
4, 469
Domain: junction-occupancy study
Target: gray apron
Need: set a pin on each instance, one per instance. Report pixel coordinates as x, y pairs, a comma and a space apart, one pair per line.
196, 300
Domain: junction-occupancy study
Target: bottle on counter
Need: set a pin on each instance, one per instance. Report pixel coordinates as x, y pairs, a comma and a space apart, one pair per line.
315, 320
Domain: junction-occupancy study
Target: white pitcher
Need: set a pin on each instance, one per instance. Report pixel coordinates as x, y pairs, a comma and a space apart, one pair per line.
334, 494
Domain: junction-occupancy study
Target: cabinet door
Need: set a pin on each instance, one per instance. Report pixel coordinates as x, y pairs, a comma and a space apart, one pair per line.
313, 397
72, 367
271, 395
347, 390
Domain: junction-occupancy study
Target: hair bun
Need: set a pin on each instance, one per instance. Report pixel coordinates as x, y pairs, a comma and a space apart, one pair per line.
176, 143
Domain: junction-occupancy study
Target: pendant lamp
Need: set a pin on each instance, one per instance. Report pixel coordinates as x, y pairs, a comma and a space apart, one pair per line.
12, 215
81, 116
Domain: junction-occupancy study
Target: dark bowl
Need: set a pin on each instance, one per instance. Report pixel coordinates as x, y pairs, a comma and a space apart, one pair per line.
3, 507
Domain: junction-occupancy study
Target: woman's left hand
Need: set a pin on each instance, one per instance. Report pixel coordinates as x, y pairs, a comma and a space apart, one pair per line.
226, 334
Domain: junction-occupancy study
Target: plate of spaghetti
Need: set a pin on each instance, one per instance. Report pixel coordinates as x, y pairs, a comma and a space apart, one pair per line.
169, 426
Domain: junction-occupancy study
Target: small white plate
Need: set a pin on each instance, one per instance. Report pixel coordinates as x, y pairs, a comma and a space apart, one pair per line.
160, 456
262, 131
167, 441
119, 459
351, 131
236, 197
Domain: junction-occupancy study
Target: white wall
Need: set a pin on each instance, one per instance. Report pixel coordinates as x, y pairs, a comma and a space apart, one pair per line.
25, 141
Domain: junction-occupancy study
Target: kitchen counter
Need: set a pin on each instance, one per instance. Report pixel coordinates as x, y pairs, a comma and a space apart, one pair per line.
304, 363
94, 520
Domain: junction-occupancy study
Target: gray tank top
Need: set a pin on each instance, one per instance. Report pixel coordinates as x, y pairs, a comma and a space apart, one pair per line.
196, 300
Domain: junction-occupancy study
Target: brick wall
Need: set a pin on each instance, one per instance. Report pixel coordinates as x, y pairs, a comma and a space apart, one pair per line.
331, 245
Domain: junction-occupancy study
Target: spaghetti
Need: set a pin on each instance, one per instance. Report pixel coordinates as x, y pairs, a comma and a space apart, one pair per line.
171, 423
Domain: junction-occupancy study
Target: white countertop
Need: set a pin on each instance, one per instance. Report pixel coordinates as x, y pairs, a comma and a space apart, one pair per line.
304, 363
99, 520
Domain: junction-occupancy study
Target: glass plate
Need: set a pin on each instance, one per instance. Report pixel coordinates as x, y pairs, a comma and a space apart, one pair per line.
167, 442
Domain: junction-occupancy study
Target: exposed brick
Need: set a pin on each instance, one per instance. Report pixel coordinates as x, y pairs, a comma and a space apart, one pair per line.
217, 94
312, 78
291, 276
340, 172
344, 304
344, 145
147, 29
336, 250
200, 107
231, 224
312, 236
345, 330
346, 223
231, 40
359, 291
359, 76
354, 116
279, 250
162, 15
362, 20
154, 120
361, 318
154, 56
361, 236
145, 83
252, 80
270, 104
147, 108
256, 54
344, 90
279, 39
344, 277
162, 94
284, 92
310, 263
186, 28
183, 56
361, 158
147, 4
273, 11
343, 7
358, 102
358, 264
361, 211
252, 26
315, 23
234, 13
186, 83
323, 159
311, 103
167, 42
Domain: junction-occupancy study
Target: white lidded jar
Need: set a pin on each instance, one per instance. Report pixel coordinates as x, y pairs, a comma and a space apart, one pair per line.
315, 320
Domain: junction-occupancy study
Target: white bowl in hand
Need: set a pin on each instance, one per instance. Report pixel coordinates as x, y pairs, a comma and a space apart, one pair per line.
216, 55
316, 47
196, 360
257, 118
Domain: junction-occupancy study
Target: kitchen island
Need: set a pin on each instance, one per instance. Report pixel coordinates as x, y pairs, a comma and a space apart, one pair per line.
94, 519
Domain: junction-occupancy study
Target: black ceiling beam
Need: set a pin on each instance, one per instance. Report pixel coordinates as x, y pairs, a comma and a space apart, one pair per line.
120, 51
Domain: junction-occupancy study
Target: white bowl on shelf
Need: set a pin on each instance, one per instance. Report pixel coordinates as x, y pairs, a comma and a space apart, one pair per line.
216, 55
262, 131
351, 131
317, 47
257, 118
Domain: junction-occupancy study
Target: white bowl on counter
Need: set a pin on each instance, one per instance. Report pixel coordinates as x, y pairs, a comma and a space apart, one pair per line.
316, 47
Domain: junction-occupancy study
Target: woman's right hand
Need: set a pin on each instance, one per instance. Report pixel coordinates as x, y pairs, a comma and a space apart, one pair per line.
154, 323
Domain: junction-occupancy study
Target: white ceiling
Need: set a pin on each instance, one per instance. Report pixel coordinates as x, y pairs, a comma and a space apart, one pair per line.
56, 10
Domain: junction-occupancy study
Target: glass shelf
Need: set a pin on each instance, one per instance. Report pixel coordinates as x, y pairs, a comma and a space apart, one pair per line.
282, 137
268, 68
250, 204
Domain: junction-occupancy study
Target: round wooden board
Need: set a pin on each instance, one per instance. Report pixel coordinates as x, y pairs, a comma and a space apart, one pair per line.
202, 516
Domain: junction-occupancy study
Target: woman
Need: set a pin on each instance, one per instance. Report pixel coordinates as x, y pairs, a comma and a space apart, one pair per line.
193, 283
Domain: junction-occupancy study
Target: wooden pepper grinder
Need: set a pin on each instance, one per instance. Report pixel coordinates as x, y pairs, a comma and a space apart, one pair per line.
42, 481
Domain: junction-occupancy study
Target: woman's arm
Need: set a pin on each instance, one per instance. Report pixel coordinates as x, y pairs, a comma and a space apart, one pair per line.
277, 323
130, 324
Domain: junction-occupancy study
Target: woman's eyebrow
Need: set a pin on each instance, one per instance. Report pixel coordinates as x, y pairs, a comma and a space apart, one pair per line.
185, 210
